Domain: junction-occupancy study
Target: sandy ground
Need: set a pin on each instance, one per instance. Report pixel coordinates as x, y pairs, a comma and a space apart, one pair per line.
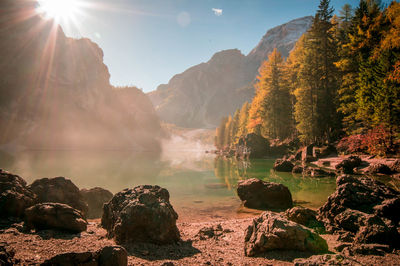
226, 249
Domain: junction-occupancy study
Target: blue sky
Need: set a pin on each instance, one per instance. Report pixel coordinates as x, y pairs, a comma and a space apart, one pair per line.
146, 42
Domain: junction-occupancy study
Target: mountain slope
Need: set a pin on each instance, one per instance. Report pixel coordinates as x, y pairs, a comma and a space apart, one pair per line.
55, 91
204, 93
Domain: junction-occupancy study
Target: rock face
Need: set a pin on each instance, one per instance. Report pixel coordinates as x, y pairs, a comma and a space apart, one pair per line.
141, 214
256, 145
15, 197
283, 165
107, 256
57, 95
200, 96
259, 194
364, 207
55, 216
272, 231
61, 190
95, 198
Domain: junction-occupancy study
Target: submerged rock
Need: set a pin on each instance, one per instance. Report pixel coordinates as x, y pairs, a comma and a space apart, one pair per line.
59, 190
141, 214
107, 256
259, 194
95, 198
271, 231
55, 216
15, 196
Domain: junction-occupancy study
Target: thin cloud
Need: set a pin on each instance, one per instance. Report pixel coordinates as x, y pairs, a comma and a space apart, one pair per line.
217, 11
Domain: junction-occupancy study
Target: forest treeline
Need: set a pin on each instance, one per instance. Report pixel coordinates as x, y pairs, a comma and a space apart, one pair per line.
341, 81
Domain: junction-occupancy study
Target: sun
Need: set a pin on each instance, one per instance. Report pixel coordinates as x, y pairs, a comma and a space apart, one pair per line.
59, 10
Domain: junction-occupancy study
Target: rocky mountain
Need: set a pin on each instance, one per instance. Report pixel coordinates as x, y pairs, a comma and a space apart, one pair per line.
201, 95
55, 91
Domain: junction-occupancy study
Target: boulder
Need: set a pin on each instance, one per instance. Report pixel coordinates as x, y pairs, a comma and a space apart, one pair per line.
271, 231
297, 169
347, 165
141, 214
350, 220
259, 194
55, 216
95, 198
325, 151
59, 190
389, 209
283, 165
15, 197
360, 194
257, 145
107, 256
303, 216
378, 168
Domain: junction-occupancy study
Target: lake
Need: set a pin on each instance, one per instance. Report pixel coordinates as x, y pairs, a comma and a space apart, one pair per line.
201, 186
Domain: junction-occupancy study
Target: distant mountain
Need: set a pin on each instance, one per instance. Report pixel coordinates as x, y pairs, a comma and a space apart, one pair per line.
55, 91
201, 95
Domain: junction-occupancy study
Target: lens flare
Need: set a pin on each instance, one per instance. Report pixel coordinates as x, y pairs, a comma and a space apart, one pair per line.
59, 9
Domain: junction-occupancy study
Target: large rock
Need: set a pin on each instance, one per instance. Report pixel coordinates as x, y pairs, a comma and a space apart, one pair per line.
60, 190
107, 256
15, 197
257, 145
347, 165
55, 216
141, 214
259, 194
303, 216
272, 231
281, 165
95, 198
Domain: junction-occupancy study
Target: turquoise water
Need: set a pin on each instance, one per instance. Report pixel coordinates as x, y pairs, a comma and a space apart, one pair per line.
201, 186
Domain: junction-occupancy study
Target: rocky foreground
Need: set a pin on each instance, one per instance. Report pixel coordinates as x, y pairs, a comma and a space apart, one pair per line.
358, 225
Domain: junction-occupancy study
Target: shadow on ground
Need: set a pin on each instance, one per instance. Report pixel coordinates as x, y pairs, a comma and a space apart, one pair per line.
152, 252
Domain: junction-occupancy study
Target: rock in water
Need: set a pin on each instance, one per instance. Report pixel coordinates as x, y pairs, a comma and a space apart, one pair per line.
259, 194
271, 231
141, 214
283, 165
59, 190
95, 198
55, 216
15, 197
107, 256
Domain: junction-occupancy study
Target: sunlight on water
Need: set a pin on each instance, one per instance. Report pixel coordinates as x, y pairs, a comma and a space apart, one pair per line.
201, 186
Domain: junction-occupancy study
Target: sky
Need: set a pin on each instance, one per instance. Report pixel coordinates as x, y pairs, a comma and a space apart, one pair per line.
147, 42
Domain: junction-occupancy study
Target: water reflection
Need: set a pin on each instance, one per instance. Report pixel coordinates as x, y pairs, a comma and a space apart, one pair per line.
201, 186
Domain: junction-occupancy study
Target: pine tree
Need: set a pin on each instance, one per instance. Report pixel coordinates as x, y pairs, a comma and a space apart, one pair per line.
243, 120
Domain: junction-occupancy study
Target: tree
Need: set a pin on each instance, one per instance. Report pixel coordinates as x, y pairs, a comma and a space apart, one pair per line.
243, 120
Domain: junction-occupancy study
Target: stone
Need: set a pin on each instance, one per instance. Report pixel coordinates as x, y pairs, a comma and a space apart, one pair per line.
297, 169
389, 209
355, 193
59, 190
327, 259
15, 197
55, 216
271, 231
211, 232
141, 214
283, 165
346, 237
347, 165
107, 256
303, 216
259, 194
378, 168
350, 220
95, 198
395, 166
367, 249
325, 151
